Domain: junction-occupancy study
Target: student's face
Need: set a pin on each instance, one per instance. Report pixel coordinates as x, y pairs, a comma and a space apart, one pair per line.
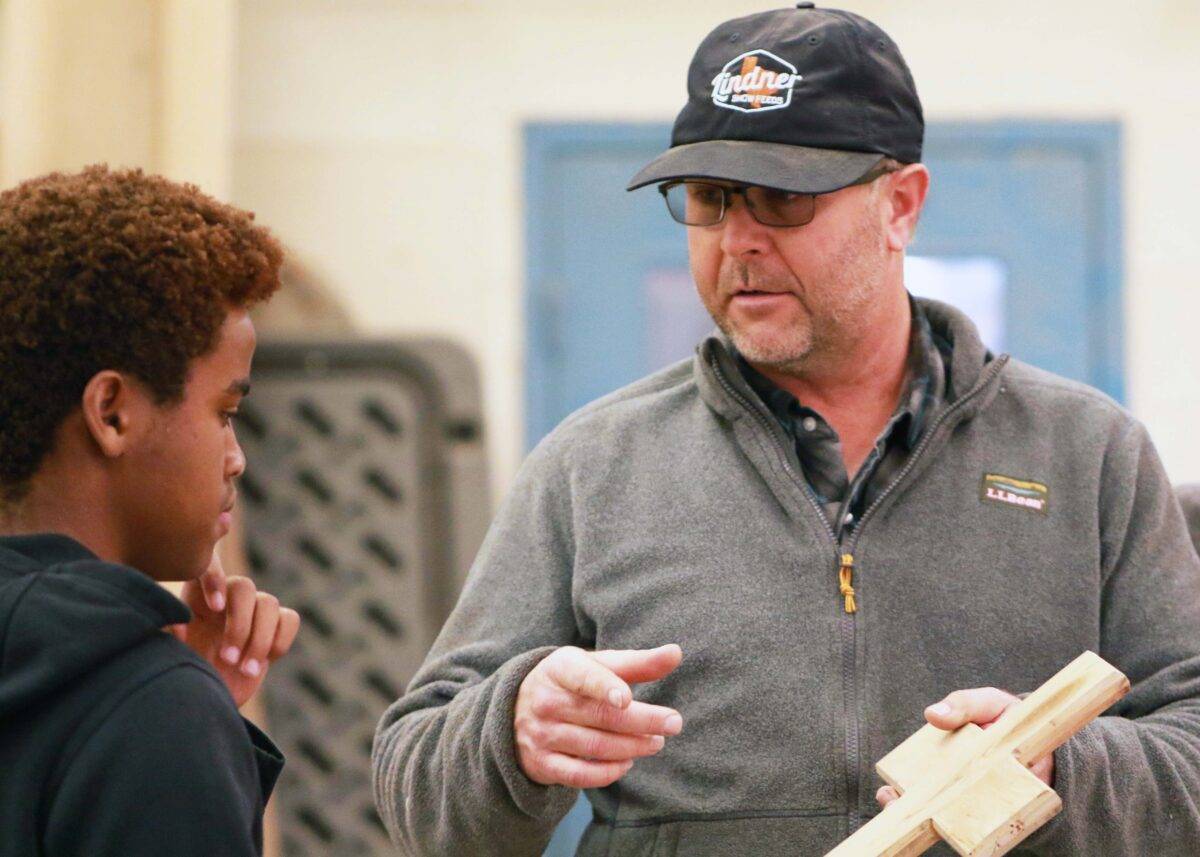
182, 491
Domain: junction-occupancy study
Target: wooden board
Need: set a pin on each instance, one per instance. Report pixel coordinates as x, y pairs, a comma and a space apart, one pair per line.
972, 787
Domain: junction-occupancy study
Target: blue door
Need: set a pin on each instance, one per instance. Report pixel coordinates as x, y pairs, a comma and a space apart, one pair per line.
1021, 229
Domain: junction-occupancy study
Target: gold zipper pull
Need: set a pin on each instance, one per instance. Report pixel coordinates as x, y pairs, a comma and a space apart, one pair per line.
845, 577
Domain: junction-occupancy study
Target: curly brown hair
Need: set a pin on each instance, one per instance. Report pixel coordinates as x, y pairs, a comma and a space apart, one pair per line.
111, 269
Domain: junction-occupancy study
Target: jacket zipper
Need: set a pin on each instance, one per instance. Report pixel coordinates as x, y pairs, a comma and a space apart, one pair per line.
845, 563
845, 622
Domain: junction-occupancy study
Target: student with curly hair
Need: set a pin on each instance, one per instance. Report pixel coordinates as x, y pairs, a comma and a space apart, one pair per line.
125, 348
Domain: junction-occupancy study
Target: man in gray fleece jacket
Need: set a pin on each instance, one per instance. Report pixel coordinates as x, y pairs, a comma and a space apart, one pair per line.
716, 597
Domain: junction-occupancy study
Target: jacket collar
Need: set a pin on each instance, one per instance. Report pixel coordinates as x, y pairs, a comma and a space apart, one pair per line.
725, 390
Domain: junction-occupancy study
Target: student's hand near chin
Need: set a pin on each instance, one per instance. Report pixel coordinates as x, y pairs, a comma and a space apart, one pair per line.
236, 628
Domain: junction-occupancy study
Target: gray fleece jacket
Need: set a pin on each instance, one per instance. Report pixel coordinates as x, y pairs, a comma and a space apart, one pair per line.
673, 511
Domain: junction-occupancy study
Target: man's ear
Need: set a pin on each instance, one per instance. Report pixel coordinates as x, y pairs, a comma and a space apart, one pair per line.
110, 405
908, 188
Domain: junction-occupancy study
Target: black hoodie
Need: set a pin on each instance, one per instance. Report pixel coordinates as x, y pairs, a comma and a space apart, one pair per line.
115, 738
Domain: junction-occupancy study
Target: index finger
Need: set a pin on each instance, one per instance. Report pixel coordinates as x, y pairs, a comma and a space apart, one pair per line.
213, 585
574, 670
641, 665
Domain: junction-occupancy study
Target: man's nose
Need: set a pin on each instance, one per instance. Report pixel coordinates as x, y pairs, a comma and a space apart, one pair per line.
742, 235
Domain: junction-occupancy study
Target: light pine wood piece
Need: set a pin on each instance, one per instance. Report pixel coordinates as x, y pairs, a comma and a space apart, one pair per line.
972, 787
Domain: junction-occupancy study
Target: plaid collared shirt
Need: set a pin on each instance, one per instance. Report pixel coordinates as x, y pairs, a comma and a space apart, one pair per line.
819, 450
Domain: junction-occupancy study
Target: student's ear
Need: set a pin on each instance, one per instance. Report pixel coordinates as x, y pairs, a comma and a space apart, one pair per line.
109, 406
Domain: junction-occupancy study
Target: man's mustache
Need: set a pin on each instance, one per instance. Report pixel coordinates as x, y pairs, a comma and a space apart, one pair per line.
741, 277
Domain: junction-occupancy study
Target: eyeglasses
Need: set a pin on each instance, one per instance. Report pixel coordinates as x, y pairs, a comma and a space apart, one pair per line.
700, 203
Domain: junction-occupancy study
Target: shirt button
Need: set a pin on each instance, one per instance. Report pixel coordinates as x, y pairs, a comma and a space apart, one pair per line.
809, 423
849, 519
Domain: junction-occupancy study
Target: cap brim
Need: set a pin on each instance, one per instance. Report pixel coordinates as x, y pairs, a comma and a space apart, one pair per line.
799, 169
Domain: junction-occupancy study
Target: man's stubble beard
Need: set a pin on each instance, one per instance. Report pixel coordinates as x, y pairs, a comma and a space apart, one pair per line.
833, 314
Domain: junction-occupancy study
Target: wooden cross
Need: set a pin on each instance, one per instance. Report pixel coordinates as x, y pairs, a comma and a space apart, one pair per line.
972, 787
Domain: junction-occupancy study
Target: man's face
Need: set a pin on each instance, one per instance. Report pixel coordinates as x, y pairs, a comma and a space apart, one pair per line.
180, 480
789, 296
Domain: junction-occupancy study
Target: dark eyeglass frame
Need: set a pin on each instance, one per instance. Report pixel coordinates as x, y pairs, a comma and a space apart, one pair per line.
728, 191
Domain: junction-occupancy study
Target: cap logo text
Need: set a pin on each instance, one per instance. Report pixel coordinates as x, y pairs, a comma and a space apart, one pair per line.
754, 81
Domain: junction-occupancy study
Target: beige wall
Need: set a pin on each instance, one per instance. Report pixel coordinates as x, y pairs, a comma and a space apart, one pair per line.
144, 83
383, 139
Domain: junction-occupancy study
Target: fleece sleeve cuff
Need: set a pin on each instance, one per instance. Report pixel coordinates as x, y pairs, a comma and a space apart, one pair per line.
533, 799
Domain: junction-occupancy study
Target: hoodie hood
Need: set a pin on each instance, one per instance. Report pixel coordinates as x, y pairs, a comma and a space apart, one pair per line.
64, 611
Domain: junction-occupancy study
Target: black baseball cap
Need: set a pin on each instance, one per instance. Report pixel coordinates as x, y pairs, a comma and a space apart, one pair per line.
805, 100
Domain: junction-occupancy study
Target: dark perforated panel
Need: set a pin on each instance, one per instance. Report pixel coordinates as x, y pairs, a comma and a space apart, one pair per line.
356, 459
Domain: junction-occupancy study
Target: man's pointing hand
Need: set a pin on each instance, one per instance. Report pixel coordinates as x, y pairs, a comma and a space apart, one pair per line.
576, 722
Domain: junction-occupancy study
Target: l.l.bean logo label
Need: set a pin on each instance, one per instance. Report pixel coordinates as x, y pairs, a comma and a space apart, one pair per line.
1033, 496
